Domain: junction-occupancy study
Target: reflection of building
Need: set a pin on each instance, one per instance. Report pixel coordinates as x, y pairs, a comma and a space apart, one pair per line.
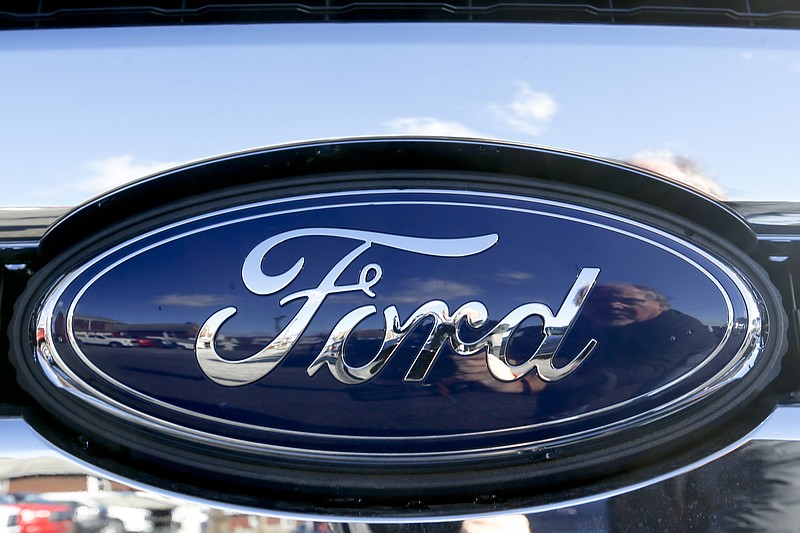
43, 474
94, 324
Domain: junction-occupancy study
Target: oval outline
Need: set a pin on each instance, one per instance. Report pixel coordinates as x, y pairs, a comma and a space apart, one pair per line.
64, 377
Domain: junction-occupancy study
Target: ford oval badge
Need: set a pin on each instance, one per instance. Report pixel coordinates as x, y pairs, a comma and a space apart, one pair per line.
397, 329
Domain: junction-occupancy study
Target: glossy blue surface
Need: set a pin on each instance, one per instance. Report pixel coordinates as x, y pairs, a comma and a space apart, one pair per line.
164, 285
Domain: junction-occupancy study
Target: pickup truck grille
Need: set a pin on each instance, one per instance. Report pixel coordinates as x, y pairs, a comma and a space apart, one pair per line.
742, 13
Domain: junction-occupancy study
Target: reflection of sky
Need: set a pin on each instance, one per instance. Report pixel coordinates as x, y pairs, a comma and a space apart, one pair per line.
93, 108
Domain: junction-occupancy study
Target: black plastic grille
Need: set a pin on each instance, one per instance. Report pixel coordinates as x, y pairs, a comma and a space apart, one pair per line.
11, 285
22, 14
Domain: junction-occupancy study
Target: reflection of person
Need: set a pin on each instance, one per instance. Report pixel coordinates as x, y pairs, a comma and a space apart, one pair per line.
640, 339
621, 304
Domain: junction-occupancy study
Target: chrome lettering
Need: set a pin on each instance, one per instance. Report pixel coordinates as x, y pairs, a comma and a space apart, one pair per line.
445, 328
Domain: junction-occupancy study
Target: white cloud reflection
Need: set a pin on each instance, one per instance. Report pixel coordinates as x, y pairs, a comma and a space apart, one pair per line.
100, 175
117, 170
529, 112
192, 300
514, 276
429, 126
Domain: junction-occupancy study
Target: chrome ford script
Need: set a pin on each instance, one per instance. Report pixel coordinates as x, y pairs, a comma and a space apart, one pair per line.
399, 323
445, 327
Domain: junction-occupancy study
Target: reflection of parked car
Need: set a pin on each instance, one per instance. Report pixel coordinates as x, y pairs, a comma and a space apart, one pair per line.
184, 344
152, 341
163, 342
147, 343
135, 512
37, 515
106, 340
88, 518
88, 515
9, 518
167, 340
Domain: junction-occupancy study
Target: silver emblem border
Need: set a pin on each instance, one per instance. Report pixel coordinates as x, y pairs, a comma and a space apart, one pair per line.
64, 378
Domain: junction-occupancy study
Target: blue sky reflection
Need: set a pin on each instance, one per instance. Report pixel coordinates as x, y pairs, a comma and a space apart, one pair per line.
90, 109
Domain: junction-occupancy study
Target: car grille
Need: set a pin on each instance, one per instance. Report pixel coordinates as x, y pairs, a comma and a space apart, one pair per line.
743, 13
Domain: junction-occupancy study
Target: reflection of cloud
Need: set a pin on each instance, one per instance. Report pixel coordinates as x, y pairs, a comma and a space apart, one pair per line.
774, 57
514, 276
429, 126
678, 168
105, 174
443, 289
529, 112
193, 300
117, 170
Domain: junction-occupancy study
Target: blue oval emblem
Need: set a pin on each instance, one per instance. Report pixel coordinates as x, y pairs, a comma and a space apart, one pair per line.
399, 324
